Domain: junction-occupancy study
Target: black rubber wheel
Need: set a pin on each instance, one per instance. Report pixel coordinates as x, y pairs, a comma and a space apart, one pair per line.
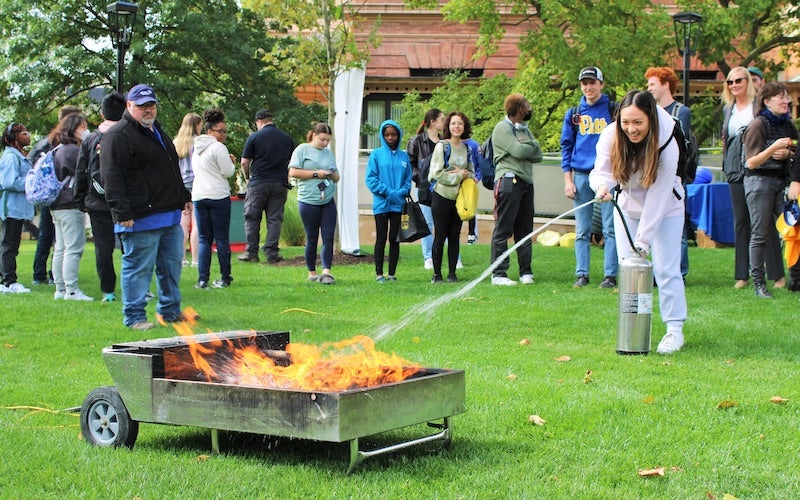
105, 420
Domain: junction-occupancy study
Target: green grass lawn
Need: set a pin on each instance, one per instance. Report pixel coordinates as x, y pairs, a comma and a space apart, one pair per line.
630, 413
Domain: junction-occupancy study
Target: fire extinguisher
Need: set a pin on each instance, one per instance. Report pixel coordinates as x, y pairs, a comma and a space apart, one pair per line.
635, 282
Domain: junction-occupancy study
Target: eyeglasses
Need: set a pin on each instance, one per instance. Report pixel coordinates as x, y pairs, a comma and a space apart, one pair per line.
222, 131
145, 106
738, 80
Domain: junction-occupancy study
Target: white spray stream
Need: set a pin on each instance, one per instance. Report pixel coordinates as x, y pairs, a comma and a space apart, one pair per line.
386, 331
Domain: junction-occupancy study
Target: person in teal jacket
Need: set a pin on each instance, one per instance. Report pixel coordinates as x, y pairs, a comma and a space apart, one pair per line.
14, 206
389, 181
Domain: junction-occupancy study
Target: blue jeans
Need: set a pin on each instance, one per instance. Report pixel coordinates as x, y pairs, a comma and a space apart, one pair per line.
583, 230
427, 242
213, 225
318, 219
160, 249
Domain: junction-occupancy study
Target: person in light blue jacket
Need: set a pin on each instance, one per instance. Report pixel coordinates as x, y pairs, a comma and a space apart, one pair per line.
14, 206
389, 180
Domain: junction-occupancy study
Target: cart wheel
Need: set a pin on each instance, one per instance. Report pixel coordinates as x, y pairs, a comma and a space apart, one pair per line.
105, 420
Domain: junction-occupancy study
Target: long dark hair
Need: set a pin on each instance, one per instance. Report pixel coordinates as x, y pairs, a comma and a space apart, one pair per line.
430, 116
64, 133
627, 157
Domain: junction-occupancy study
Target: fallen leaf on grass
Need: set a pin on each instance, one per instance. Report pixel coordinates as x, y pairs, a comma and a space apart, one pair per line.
728, 496
587, 379
202, 458
648, 400
730, 361
524, 342
536, 419
9, 346
415, 340
563, 359
511, 376
777, 400
658, 471
297, 309
727, 403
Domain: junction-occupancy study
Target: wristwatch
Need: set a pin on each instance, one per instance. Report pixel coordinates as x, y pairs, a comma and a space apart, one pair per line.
315, 176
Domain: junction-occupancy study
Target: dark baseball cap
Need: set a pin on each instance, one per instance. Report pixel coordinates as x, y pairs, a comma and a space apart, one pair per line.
263, 114
755, 71
142, 94
591, 72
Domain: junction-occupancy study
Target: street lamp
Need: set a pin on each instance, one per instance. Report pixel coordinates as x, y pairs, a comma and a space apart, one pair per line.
687, 43
121, 19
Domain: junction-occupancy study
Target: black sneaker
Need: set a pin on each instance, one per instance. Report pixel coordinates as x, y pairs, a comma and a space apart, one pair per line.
793, 285
761, 291
437, 278
201, 284
609, 282
452, 278
581, 282
275, 259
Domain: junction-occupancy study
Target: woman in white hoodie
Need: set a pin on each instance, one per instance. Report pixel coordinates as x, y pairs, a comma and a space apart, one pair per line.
211, 194
639, 153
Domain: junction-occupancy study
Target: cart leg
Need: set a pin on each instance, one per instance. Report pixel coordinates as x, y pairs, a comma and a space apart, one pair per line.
215, 441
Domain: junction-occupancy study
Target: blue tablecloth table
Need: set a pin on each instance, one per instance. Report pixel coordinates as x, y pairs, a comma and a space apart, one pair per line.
710, 210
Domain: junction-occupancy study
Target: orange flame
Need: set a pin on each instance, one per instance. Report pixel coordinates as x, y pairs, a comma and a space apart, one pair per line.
330, 367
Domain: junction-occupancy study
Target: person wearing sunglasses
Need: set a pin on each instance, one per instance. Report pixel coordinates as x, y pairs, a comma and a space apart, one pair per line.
738, 98
146, 195
14, 207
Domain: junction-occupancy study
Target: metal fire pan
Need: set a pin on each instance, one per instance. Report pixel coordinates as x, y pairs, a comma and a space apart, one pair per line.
137, 370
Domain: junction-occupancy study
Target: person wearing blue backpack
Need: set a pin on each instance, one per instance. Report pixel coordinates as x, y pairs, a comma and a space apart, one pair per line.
14, 206
389, 181
579, 134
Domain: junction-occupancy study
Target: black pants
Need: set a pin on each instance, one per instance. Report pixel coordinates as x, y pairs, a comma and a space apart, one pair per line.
741, 237
10, 236
386, 224
104, 243
446, 226
44, 243
513, 216
269, 198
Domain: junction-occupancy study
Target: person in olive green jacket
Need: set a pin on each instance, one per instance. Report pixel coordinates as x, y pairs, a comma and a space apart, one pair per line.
515, 152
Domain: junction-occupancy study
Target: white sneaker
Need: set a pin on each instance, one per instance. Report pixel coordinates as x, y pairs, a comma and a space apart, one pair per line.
503, 281
672, 342
526, 279
78, 295
3, 288
59, 295
428, 263
17, 288
459, 265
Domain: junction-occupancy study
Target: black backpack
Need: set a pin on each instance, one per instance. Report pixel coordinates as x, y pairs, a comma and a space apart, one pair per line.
690, 152
486, 164
683, 156
734, 160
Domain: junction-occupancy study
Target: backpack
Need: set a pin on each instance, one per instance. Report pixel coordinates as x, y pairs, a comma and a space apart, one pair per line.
42, 186
424, 166
690, 153
734, 160
93, 163
486, 166
683, 156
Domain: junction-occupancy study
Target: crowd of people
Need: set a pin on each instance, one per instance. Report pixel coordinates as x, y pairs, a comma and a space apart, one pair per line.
151, 195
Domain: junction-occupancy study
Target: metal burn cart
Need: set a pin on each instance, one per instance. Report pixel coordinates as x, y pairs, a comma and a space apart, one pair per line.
147, 389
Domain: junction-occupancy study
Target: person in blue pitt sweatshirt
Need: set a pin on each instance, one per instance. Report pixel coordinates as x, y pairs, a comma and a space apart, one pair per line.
389, 181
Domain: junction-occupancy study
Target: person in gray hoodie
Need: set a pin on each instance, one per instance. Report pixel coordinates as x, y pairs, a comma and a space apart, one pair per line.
389, 181
211, 195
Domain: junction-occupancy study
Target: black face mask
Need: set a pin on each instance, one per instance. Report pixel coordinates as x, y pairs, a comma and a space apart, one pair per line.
527, 116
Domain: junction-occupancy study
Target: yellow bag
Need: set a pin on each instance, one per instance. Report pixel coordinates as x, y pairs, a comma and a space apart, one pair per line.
467, 199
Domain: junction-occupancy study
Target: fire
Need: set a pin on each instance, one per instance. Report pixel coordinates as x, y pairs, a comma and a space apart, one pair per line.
330, 367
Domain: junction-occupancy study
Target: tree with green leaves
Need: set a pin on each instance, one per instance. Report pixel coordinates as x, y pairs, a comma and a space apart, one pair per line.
195, 54
319, 41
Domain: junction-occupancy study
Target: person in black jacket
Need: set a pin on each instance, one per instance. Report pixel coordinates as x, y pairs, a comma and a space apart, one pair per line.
145, 192
92, 195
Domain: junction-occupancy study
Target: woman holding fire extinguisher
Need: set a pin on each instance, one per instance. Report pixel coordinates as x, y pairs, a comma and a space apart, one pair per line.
639, 154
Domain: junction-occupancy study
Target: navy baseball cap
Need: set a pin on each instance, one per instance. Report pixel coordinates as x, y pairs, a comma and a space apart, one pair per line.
592, 72
142, 94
